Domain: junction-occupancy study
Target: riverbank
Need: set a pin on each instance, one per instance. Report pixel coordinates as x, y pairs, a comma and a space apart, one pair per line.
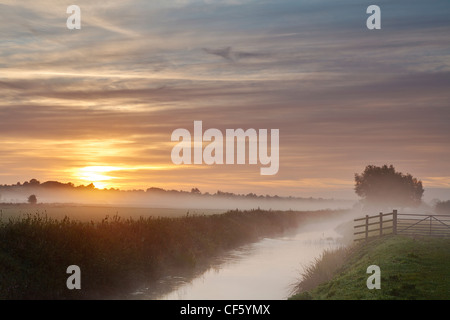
118, 255
411, 269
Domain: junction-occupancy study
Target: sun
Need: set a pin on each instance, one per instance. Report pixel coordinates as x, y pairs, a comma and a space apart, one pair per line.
98, 175
104, 177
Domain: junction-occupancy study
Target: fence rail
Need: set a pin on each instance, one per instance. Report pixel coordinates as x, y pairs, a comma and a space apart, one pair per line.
401, 223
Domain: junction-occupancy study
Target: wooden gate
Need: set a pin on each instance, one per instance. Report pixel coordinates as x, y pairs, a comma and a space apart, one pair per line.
402, 223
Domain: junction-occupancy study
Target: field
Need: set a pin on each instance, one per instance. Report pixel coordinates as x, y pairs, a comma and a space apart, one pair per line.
93, 212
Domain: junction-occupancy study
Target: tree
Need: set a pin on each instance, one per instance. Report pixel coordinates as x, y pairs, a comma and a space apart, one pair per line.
32, 199
385, 187
34, 182
195, 190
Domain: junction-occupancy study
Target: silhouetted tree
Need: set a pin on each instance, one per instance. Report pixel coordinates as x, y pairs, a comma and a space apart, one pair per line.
195, 190
385, 187
34, 182
32, 199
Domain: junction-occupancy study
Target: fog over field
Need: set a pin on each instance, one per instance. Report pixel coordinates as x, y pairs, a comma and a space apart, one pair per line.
55, 192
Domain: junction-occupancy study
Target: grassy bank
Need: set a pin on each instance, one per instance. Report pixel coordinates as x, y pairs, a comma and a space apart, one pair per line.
410, 269
117, 255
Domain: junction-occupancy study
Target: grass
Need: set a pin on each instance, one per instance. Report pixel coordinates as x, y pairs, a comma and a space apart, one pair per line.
117, 255
411, 269
321, 270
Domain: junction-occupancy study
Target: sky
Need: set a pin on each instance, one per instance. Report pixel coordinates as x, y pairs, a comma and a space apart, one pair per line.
99, 104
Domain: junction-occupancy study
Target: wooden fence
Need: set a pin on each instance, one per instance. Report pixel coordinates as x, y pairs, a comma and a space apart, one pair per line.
402, 223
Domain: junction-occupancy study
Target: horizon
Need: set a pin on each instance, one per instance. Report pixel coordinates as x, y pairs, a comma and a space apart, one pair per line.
99, 104
28, 183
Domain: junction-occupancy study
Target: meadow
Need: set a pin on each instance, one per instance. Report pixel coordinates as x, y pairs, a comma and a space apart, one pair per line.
84, 212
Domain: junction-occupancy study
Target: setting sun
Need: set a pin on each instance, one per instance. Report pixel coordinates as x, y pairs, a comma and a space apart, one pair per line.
97, 175
108, 176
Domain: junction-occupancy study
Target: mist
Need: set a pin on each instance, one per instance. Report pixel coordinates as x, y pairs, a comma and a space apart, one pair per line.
55, 192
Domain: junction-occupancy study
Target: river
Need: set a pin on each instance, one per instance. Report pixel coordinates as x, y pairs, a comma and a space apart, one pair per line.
265, 270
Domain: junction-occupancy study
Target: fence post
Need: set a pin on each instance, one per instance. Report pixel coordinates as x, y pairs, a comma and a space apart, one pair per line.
431, 220
367, 227
381, 224
394, 221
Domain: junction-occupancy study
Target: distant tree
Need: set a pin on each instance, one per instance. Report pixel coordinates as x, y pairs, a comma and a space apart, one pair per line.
195, 190
442, 207
153, 189
34, 182
32, 199
385, 187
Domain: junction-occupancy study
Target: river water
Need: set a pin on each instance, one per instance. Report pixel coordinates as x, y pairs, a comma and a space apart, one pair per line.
265, 270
